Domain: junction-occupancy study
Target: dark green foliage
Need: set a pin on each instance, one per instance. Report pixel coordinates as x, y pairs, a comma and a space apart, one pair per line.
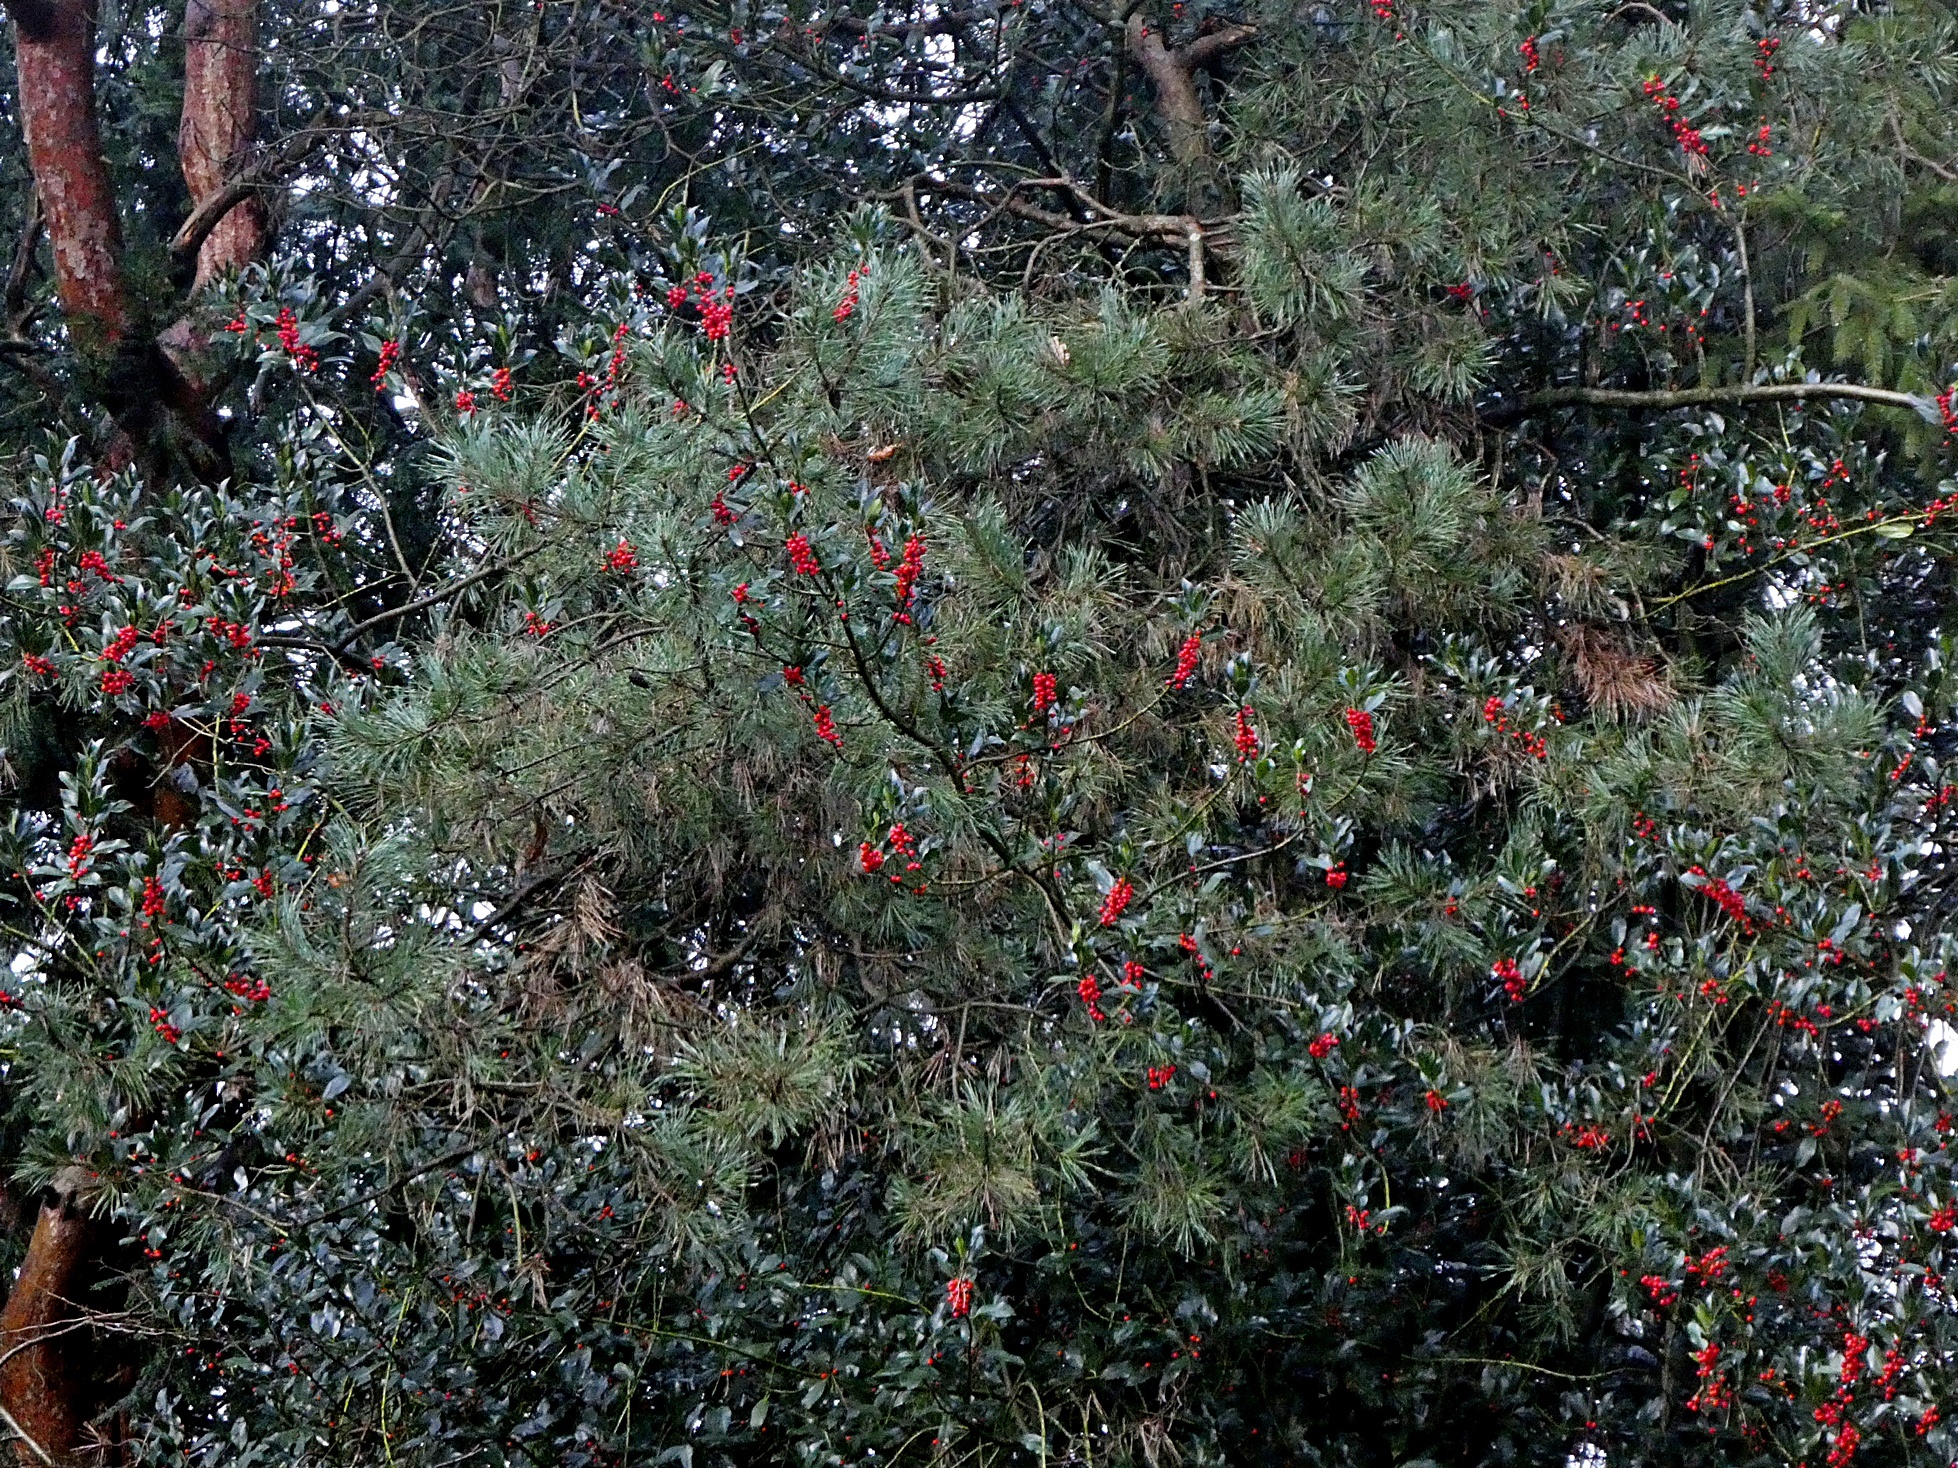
747, 863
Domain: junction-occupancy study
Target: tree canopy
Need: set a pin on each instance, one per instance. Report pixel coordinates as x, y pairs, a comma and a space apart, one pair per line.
1000, 734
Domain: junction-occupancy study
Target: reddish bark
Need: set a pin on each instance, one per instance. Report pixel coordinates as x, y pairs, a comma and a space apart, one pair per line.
215, 138
47, 1383
55, 45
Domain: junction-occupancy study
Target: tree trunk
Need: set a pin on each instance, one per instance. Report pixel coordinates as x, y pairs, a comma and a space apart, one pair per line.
152, 386
51, 1381
214, 142
55, 45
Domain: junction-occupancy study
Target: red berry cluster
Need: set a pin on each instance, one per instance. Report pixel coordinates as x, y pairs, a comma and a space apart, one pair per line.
903, 845
1893, 1368
909, 570
390, 358
1361, 723
1788, 1018
120, 645
1046, 692
1759, 147
1496, 714
716, 310
239, 728
1764, 53
1320, 1048
596, 387
1510, 974
500, 385
1090, 991
1835, 1412
1246, 737
1724, 897
801, 557
465, 402
160, 1022
826, 729
1714, 1392
277, 549
1528, 52
1159, 1076
1348, 1102
303, 356
848, 304
1337, 876
253, 991
622, 557
1116, 902
1186, 661
235, 633
1683, 132
1710, 1266
958, 1297
1659, 1290
1189, 945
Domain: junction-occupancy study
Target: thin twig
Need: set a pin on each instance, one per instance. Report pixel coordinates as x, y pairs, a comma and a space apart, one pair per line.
20, 1432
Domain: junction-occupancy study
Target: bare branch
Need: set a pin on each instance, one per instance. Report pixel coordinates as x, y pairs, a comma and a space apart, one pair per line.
1169, 227
1205, 48
253, 179
25, 1436
1706, 397
1911, 155
23, 266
